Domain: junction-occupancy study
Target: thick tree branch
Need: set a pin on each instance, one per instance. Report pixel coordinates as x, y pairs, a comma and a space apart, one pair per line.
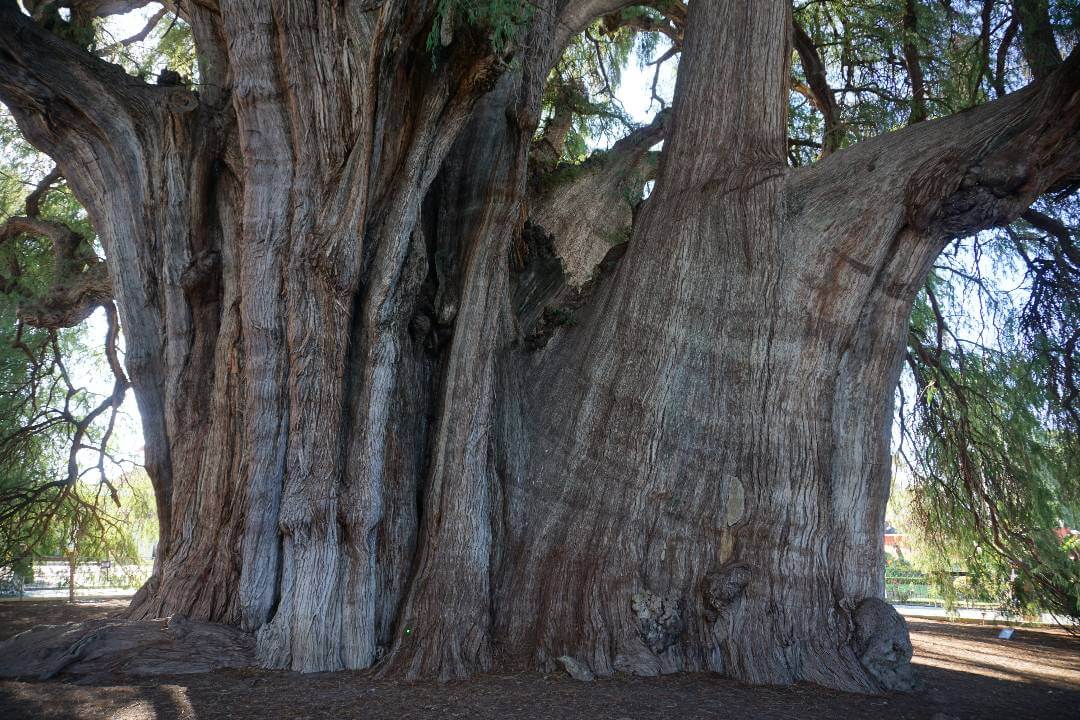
80, 282
1036, 146
570, 96
124, 148
576, 16
1037, 37
137, 37
672, 22
33, 200
84, 112
822, 95
914, 66
104, 8
946, 178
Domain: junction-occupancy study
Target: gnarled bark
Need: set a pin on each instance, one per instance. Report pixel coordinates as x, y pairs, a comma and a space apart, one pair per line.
589, 208
358, 457
80, 283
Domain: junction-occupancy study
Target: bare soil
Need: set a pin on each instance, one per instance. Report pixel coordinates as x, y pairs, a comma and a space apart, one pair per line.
967, 671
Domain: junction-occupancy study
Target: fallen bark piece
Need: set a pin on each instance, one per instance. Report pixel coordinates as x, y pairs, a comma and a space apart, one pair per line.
167, 646
577, 670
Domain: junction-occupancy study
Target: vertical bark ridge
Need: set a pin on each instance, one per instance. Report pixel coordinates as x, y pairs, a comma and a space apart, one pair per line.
717, 439
448, 611
444, 624
321, 276
374, 193
199, 570
267, 167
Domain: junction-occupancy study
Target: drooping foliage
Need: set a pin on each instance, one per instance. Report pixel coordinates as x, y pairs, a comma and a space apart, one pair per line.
987, 418
62, 484
495, 20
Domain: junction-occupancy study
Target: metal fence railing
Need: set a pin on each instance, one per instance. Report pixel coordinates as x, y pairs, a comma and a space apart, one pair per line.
918, 590
73, 577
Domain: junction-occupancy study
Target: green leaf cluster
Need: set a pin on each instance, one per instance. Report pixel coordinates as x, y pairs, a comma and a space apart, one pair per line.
499, 20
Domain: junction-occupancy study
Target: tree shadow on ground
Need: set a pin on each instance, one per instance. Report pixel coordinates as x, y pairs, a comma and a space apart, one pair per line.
261, 694
967, 672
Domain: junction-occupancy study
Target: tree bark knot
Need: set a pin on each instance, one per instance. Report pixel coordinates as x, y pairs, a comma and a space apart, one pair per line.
660, 618
882, 645
723, 589
202, 272
949, 196
986, 197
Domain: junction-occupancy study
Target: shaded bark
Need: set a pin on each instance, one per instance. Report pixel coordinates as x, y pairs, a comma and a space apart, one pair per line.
325, 275
912, 62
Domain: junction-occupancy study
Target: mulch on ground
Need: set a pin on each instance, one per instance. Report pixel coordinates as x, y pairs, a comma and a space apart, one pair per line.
19, 615
967, 671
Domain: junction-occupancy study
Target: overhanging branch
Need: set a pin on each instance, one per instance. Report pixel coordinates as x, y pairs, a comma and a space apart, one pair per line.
576, 16
73, 106
955, 176
80, 282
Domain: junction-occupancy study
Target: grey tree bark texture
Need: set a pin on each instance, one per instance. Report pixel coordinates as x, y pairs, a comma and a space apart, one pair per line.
373, 437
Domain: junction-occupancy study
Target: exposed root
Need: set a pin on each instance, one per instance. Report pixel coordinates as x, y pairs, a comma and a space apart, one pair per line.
577, 670
167, 646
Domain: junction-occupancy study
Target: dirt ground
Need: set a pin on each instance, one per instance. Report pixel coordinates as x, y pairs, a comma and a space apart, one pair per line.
967, 671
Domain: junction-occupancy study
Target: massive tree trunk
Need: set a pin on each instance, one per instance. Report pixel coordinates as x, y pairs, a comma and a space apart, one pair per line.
371, 443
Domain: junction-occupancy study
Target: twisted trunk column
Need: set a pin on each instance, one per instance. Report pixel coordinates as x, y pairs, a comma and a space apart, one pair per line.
142, 160
359, 149
445, 624
692, 478
678, 502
